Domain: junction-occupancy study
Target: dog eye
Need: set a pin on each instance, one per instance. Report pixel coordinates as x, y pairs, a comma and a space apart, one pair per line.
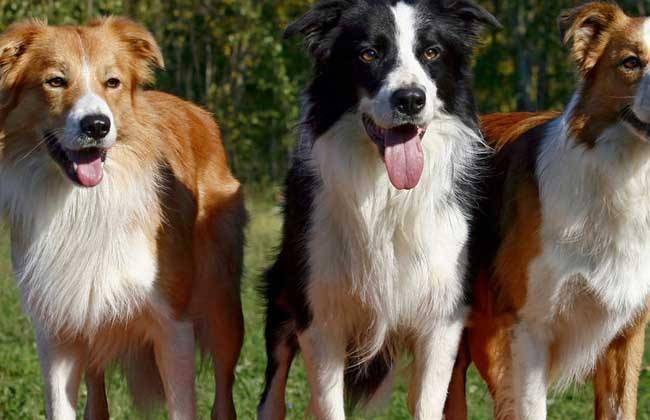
632, 63
113, 83
57, 82
431, 54
369, 55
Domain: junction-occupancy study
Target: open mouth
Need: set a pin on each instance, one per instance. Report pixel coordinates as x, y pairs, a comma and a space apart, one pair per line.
401, 148
639, 126
84, 167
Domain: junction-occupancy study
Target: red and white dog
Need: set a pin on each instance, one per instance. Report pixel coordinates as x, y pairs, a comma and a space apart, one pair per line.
126, 223
564, 242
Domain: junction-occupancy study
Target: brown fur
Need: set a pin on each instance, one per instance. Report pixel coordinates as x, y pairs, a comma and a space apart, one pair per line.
601, 38
616, 379
498, 297
196, 225
503, 129
500, 289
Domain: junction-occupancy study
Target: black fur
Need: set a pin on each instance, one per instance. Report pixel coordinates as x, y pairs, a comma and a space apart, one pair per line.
335, 31
513, 165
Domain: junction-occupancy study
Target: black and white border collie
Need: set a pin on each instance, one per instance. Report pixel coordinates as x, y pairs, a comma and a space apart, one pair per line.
372, 263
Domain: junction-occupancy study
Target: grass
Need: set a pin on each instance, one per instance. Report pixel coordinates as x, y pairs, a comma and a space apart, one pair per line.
21, 393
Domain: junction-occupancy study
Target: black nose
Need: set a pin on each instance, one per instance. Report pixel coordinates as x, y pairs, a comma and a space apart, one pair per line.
409, 101
96, 126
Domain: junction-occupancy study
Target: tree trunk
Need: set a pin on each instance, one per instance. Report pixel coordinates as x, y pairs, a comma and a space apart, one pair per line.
127, 8
208, 73
542, 78
524, 76
641, 6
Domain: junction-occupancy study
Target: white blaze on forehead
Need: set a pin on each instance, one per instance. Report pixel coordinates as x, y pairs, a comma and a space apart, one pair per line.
641, 104
405, 31
88, 104
409, 70
85, 75
645, 32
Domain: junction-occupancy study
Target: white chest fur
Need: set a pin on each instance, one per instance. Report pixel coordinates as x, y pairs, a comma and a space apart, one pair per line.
593, 276
380, 256
83, 258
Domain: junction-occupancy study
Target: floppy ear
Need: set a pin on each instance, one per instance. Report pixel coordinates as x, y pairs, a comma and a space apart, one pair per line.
139, 42
472, 13
587, 30
317, 23
14, 42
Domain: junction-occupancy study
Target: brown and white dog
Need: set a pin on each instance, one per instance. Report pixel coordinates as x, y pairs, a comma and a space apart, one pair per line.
564, 242
126, 223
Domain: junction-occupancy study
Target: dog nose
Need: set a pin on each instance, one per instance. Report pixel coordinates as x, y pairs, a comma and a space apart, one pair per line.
96, 126
409, 101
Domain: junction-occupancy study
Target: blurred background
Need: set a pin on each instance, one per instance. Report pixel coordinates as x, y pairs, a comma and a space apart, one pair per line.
229, 56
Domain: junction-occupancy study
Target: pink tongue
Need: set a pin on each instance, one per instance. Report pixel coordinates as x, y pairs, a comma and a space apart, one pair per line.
91, 172
404, 156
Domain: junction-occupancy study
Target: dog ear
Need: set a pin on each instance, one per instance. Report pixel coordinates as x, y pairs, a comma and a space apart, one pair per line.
139, 42
587, 30
316, 24
471, 12
14, 43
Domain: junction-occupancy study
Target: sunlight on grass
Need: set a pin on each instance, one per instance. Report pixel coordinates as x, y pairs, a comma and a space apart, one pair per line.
20, 382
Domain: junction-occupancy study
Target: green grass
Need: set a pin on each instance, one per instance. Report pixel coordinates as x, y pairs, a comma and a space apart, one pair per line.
21, 396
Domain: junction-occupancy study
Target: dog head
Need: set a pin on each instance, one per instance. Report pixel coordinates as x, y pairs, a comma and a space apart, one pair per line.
397, 66
66, 90
612, 52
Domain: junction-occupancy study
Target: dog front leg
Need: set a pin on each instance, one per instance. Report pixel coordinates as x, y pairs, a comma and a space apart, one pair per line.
324, 353
174, 350
97, 404
530, 372
433, 363
62, 365
616, 378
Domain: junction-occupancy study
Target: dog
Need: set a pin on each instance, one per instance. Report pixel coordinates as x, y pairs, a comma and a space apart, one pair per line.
126, 223
376, 213
562, 242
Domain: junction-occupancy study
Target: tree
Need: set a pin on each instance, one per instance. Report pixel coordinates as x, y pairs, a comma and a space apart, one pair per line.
229, 56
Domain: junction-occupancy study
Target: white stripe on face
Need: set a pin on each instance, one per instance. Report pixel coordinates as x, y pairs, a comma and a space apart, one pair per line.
646, 33
89, 104
641, 106
408, 73
85, 74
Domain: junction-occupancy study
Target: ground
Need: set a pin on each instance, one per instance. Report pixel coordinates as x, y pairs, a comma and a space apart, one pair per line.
21, 396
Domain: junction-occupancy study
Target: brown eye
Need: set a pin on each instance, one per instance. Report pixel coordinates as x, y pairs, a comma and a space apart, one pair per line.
369, 55
431, 54
56, 82
113, 83
632, 63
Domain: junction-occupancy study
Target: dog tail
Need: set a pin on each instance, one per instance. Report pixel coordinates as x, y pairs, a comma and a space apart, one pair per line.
367, 383
504, 128
144, 379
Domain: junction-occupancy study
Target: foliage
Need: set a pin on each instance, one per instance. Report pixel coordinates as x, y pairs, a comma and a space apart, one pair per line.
229, 56
524, 66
